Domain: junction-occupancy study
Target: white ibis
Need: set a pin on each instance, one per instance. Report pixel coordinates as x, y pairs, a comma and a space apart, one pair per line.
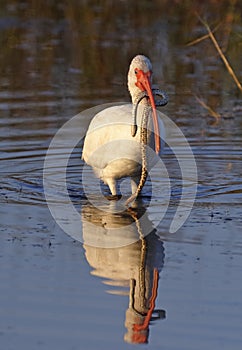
116, 142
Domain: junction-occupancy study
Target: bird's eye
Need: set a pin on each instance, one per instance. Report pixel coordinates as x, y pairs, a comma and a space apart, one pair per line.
136, 71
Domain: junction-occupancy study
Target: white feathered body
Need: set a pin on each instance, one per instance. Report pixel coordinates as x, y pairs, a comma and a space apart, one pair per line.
109, 147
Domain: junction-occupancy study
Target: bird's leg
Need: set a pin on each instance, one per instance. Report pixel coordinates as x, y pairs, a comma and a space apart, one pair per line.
112, 186
134, 183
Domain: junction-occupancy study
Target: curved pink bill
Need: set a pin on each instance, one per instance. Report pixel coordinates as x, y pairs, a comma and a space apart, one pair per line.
144, 84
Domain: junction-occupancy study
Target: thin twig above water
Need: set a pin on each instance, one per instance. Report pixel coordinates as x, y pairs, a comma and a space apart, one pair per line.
213, 113
224, 59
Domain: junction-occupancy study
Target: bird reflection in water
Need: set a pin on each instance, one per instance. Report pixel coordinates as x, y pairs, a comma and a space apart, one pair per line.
135, 262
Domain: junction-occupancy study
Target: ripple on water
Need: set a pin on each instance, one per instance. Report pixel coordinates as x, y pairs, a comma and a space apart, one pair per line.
25, 141
22, 166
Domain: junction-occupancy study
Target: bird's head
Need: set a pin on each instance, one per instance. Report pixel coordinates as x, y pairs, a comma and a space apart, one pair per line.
139, 75
140, 79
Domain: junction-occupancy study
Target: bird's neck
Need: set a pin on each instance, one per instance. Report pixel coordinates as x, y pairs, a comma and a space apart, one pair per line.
143, 102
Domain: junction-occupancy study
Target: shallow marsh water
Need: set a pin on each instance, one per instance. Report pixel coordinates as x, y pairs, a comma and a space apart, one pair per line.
55, 292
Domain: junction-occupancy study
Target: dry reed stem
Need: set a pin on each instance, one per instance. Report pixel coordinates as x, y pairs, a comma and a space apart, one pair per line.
227, 65
198, 40
216, 115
